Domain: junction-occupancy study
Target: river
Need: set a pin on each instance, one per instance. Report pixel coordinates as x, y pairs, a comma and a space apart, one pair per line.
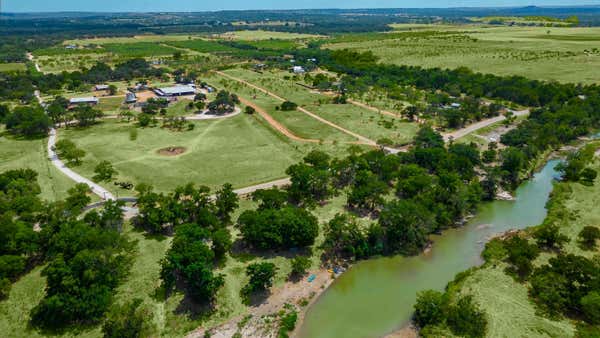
376, 297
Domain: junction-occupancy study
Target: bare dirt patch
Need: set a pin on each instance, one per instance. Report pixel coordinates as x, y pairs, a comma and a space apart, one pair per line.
171, 151
145, 95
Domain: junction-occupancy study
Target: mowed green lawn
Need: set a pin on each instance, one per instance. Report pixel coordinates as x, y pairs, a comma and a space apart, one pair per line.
238, 150
18, 153
556, 53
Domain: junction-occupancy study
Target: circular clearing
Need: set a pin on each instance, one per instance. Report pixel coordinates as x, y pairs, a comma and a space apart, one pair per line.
171, 151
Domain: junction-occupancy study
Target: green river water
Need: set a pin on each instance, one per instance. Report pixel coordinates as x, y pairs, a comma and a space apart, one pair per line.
375, 297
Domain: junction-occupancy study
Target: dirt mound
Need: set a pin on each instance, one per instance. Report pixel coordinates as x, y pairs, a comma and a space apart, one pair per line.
171, 151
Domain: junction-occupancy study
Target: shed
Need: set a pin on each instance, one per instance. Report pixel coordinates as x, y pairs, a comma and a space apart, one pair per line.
84, 100
175, 91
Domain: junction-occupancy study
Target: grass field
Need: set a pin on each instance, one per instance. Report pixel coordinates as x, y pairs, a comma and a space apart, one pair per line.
71, 62
557, 53
139, 49
132, 39
297, 122
265, 35
362, 121
13, 66
17, 153
239, 150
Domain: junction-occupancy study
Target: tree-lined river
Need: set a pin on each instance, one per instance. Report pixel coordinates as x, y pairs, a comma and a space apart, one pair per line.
375, 297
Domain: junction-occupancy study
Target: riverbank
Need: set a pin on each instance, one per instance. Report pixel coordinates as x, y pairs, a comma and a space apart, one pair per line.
375, 297
261, 320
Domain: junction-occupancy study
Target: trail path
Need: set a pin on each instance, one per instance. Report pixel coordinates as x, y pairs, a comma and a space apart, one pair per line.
361, 138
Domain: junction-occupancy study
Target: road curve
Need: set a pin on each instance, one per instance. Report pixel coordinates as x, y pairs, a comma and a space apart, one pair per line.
479, 125
53, 156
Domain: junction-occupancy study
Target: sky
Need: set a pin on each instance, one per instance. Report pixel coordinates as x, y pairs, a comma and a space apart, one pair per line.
208, 5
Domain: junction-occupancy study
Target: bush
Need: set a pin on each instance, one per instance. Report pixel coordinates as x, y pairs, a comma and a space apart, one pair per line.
588, 237
5, 286
590, 304
104, 171
548, 236
261, 278
288, 106
299, 265
429, 309
249, 110
466, 319
125, 321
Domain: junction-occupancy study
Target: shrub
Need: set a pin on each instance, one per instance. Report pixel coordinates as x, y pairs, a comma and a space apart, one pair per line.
466, 319
288, 106
588, 237
299, 265
429, 309
261, 278
590, 304
125, 321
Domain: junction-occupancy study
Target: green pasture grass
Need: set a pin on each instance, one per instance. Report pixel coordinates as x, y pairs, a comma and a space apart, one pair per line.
22, 153
71, 62
566, 54
132, 39
12, 66
202, 46
139, 49
266, 35
273, 44
238, 150
509, 311
59, 51
366, 122
110, 104
297, 122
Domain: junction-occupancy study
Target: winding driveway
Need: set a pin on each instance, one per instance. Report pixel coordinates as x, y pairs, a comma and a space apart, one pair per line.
53, 156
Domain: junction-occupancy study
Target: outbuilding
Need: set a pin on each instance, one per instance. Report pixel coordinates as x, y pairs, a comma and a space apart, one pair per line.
84, 100
298, 70
175, 91
101, 87
130, 98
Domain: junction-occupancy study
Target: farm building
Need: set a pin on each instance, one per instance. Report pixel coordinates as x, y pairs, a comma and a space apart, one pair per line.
83, 100
101, 87
130, 98
298, 70
175, 91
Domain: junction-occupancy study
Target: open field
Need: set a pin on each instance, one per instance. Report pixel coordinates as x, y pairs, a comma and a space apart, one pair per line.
138, 49
132, 39
367, 123
19, 153
359, 120
557, 53
70, 62
240, 150
297, 122
13, 66
264, 35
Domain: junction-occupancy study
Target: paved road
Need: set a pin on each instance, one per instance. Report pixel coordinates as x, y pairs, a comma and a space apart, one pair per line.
479, 125
53, 156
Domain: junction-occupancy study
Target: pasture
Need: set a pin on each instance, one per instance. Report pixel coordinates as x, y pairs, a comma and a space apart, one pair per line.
22, 153
132, 39
239, 150
139, 49
297, 122
13, 66
359, 120
264, 35
565, 54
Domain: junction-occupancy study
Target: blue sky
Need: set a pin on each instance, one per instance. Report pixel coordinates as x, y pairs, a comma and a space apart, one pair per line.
208, 5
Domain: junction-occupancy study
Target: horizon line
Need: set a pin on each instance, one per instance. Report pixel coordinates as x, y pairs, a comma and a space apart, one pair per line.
293, 9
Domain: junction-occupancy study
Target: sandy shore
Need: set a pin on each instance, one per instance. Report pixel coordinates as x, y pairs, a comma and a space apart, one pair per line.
261, 324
